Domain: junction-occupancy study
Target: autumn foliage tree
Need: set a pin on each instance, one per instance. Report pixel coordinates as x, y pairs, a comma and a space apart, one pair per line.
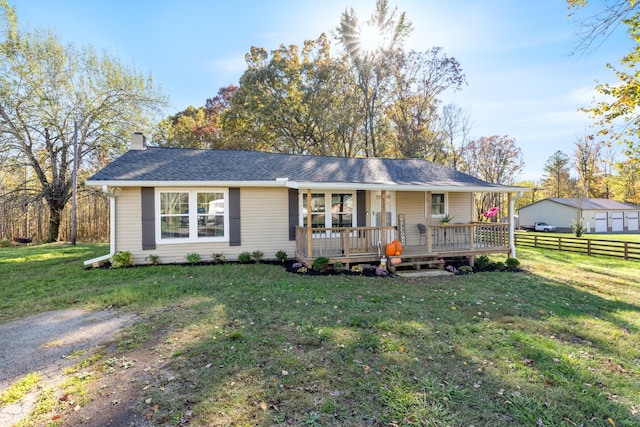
617, 115
495, 159
46, 88
196, 127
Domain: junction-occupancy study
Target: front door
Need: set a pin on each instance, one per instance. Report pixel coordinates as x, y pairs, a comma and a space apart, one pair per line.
376, 209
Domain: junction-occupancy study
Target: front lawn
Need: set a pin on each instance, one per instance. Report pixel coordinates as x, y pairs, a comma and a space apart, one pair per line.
556, 345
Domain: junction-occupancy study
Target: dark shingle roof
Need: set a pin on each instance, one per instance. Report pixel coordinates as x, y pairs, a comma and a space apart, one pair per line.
182, 164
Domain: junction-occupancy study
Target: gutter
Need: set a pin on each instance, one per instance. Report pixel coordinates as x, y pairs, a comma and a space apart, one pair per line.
512, 238
112, 229
304, 185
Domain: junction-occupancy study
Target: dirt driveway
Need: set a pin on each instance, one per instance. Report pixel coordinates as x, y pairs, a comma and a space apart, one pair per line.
43, 342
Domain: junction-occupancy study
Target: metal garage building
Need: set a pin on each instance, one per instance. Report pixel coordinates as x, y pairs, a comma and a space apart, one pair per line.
598, 215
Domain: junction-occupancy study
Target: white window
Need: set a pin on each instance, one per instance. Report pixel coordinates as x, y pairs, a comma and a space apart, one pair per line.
192, 215
339, 212
438, 204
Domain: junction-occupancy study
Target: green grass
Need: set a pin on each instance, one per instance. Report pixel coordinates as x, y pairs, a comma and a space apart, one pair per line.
628, 237
557, 345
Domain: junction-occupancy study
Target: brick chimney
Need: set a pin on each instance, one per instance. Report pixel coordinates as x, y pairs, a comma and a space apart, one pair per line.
138, 141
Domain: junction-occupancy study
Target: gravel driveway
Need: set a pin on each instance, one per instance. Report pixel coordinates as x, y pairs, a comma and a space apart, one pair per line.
40, 343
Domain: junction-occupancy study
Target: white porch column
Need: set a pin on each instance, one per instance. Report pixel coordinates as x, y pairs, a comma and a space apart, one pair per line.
512, 223
429, 240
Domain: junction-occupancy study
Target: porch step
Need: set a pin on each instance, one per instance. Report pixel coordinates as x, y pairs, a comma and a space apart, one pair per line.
418, 263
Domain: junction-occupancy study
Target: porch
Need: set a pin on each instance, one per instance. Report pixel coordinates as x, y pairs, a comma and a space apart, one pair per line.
352, 245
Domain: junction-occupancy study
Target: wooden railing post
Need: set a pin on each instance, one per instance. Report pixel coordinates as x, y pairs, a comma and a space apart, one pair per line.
472, 236
429, 236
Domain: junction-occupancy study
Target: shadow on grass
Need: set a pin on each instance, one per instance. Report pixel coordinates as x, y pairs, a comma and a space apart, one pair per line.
268, 348
255, 345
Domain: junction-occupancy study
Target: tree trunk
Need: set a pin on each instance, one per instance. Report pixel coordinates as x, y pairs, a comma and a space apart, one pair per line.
55, 217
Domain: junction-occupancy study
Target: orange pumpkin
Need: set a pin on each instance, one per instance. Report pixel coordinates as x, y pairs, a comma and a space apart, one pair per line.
390, 250
394, 248
398, 245
395, 260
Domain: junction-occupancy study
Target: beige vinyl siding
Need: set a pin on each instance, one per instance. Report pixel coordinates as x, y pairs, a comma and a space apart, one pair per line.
264, 226
129, 223
264, 216
461, 208
411, 204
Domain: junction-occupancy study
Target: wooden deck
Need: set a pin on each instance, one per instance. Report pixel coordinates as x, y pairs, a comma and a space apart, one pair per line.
366, 244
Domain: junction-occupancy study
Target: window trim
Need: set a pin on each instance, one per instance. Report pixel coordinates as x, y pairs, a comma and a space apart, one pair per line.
327, 205
193, 215
446, 205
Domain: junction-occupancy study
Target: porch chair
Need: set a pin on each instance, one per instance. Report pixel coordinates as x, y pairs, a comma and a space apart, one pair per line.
422, 229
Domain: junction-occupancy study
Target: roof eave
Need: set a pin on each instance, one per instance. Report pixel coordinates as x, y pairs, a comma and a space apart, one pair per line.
304, 185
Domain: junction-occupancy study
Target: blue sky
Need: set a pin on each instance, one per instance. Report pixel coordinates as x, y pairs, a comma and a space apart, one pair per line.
522, 80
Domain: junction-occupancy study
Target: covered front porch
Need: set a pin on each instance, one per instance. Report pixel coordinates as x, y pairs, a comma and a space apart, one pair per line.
352, 245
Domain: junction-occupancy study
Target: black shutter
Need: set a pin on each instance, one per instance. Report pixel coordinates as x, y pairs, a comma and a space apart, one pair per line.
293, 212
234, 217
361, 203
148, 218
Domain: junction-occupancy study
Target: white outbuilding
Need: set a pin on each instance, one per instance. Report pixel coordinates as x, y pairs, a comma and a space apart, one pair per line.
597, 215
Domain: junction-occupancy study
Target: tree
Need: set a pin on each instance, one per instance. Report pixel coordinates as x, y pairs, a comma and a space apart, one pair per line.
371, 48
418, 79
45, 87
494, 159
294, 101
618, 115
627, 182
587, 156
196, 127
454, 123
557, 175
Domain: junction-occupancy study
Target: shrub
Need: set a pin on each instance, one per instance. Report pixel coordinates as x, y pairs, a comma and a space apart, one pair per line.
121, 259
482, 262
153, 259
5, 243
217, 258
512, 263
281, 256
193, 258
338, 267
257, 255
577, 227
321, 263
244, 258
466, 269
497, 266
357, 269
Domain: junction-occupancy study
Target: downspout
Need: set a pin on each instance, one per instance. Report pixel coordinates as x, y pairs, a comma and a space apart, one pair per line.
112, 228
512, 238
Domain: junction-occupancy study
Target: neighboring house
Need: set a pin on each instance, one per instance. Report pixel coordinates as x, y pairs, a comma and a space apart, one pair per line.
598, 215
170, 202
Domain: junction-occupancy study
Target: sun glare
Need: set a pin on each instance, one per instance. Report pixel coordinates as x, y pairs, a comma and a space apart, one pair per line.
370, 39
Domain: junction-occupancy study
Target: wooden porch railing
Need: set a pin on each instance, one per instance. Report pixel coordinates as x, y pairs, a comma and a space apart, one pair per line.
348, 242
468, 237
351, 244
